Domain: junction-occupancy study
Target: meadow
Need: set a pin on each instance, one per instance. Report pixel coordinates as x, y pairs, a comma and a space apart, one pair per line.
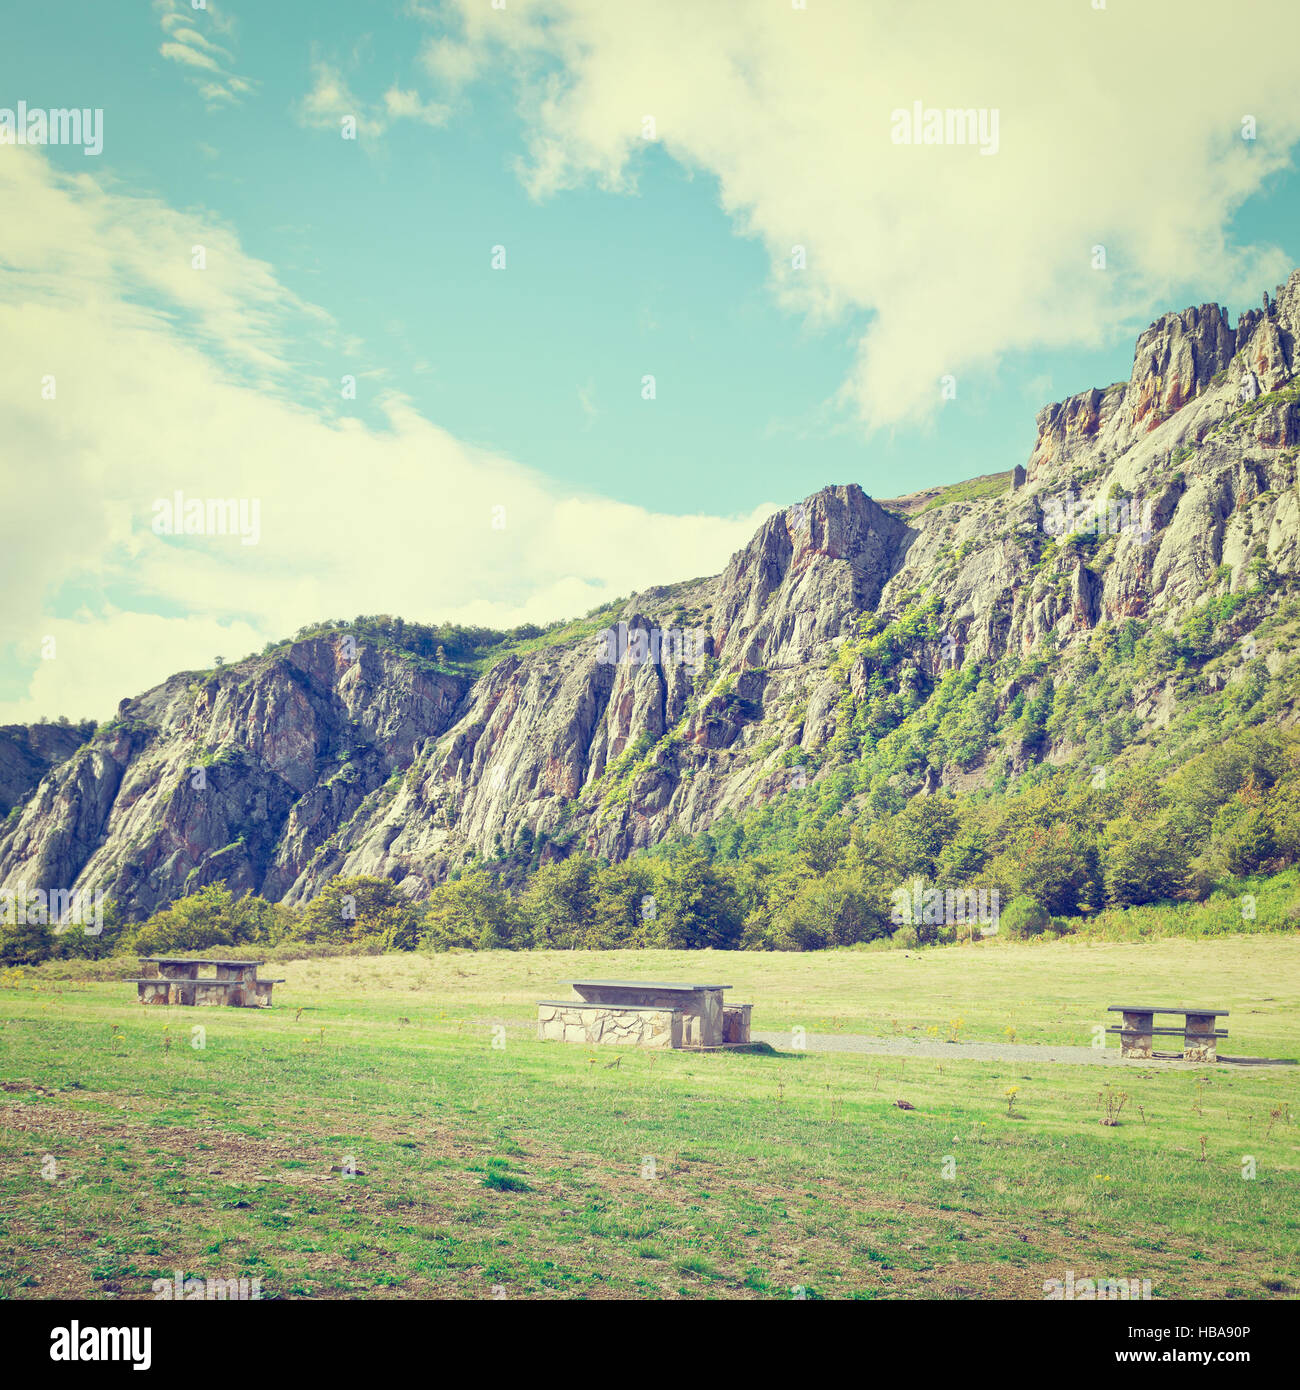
392, 1128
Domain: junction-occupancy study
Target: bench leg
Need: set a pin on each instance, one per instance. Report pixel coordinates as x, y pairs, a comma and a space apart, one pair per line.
1136, 1038
1199, 1042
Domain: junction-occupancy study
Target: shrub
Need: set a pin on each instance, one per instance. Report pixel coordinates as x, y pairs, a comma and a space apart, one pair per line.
1024, 917
25, 943
210, 917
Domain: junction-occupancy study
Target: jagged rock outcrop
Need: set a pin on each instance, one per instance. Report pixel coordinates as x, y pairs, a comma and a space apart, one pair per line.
278, 772
28, 751
1179, 358
239, 777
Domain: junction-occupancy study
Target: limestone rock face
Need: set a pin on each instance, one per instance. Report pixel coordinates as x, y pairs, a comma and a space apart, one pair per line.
239, 777
27, 752
278, 772
1178, 359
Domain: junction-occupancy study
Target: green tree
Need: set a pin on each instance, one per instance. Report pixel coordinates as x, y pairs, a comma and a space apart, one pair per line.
965, 855
1249, 842
836, 909
924, 828
696, 905
211, 916
473, 912
624, 906
76, 942
361, 910
1146, 862
560, 902
1051, 864
822, 845
24, 943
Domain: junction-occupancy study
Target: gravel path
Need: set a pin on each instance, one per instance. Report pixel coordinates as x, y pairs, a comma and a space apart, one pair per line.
989, 1052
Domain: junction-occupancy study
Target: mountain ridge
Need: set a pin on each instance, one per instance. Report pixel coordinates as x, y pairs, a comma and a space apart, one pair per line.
823, 641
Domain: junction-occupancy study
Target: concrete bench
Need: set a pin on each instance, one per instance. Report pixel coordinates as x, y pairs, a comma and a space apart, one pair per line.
264, 991
1199, 1034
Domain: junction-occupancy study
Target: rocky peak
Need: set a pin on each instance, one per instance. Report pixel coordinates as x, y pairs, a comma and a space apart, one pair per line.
1175, 359
28, 751
1179, 358
804, 575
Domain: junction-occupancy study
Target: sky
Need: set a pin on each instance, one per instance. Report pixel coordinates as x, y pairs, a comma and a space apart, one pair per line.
593, 290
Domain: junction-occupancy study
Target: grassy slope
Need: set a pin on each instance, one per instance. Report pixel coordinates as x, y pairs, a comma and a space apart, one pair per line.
773, 1171
972, 490
559, 635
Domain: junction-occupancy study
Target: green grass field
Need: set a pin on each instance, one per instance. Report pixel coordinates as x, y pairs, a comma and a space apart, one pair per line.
543, 1170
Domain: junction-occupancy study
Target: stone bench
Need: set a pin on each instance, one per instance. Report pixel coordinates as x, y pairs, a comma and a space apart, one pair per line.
699, 1005
644, 1015
628, 1025
1137, 1032
735, 1022
195, 991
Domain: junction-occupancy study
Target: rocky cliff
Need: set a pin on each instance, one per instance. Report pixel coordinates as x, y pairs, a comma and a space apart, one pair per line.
329, 756
28, 751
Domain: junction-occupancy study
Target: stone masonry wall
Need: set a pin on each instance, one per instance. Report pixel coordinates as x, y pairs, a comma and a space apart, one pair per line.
600, 1023
701, 1009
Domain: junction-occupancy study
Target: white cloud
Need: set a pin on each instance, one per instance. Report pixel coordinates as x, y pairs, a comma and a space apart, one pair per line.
1118, 126
100, 657
406, 105
209, 63
452, 63
330, 99
189, 56
168, 378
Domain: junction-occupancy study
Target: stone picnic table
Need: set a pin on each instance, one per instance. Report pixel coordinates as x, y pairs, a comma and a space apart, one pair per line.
1199, 1034
644, 1013
178, 981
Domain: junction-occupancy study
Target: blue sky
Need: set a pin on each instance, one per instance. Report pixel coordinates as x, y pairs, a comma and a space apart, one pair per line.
627, 257
393, 237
